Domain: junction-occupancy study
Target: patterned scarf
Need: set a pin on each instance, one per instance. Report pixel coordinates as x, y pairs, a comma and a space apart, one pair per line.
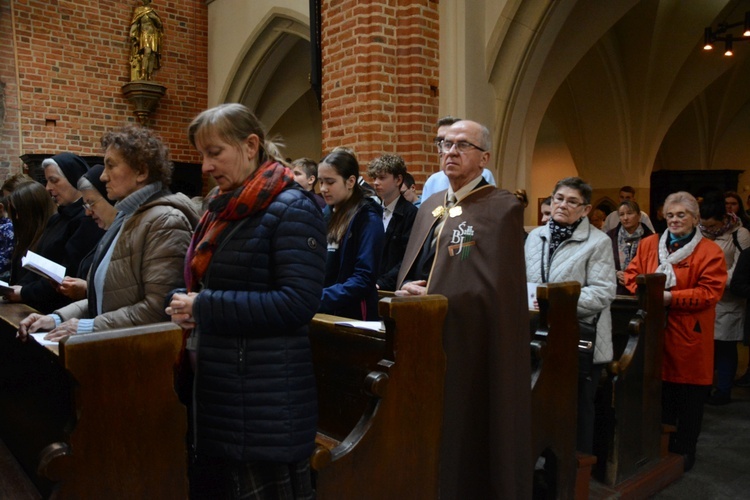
255, 194
627, 244
559, 233
671, 252
731, 223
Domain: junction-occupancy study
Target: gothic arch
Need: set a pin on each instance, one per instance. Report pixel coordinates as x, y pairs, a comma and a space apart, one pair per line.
531, 51
272, 77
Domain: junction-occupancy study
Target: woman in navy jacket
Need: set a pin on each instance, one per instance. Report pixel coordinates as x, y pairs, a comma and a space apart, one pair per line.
254, 274
355, 240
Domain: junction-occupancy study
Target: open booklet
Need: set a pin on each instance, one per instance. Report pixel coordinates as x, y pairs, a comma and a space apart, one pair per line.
5, 287
43, 267
376, 326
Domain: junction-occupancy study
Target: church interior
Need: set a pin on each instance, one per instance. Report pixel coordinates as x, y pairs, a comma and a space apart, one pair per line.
619, 93
612, 92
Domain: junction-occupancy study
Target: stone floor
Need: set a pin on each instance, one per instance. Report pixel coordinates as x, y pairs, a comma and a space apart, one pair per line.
722, 465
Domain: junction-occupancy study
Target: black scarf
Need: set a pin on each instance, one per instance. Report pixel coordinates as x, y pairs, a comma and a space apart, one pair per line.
559, 233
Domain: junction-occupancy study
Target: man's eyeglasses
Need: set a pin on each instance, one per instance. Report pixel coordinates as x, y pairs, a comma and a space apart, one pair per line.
571, 202
461, 146
87, 205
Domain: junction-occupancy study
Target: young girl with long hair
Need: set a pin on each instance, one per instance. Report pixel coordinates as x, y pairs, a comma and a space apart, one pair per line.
355, 240
29, 208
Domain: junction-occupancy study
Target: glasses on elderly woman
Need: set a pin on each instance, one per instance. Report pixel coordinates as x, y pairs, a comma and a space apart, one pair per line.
571, 202
87, 205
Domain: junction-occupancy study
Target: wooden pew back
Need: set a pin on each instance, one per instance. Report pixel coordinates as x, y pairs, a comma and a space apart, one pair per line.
111, 427
129, 439
633, 390
554, 385
381, 402
343, 357
35, 404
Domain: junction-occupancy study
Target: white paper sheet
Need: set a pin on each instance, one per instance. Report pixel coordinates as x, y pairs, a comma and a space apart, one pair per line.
376, 326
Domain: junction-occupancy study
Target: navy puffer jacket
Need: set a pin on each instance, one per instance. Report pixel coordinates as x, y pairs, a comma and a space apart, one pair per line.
255, 386
352, 293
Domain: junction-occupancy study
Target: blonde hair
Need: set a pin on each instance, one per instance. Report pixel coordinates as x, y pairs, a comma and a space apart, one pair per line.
233, 123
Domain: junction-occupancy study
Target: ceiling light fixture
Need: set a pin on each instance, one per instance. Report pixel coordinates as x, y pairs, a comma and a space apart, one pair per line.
723, 33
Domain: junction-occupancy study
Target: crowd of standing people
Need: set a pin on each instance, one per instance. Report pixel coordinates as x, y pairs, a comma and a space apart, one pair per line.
277, 241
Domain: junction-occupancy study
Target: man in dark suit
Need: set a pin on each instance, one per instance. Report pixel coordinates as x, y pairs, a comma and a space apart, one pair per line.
387, 173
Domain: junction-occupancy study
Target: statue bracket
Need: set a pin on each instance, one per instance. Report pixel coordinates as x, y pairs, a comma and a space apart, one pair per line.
144, 96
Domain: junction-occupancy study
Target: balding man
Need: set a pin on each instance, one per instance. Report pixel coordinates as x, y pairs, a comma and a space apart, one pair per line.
467, 244
439, 180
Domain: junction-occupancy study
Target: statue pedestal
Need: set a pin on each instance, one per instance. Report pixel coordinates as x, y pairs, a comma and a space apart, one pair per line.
144, 96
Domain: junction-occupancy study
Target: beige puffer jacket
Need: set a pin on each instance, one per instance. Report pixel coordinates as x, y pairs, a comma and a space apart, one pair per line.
147, 263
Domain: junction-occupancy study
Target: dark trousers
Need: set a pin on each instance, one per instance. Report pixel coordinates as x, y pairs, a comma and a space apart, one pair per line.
682, 406
725, 362
587, 384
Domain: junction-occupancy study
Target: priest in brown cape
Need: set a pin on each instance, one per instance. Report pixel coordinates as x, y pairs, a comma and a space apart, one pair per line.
467, 244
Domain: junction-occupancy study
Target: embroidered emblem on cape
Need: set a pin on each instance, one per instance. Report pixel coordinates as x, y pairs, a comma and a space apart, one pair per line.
462, 241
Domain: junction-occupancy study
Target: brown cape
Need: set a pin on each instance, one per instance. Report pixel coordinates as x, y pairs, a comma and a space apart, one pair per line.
486, 443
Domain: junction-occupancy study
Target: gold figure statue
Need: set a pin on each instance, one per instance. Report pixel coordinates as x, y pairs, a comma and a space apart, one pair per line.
146, 31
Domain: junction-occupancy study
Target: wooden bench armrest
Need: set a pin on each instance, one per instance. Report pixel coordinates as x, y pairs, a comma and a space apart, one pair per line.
635, 329
391, 447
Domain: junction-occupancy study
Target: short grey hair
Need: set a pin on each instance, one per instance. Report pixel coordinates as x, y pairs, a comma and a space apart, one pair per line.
686, 199
578, 184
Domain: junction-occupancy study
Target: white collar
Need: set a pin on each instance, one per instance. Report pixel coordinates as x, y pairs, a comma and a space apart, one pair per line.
465, 190
392, 205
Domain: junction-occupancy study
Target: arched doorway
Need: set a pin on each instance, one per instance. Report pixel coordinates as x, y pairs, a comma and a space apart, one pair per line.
273, 79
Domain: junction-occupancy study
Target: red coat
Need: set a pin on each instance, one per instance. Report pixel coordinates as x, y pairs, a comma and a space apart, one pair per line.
689, 336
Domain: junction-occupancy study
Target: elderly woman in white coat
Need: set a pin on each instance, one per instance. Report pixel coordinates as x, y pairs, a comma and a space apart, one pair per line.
569, 248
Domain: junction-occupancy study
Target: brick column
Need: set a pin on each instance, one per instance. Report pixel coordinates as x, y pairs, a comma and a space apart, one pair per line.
380, 80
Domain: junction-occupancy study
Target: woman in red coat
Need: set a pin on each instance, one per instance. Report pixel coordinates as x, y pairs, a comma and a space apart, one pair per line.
696, 276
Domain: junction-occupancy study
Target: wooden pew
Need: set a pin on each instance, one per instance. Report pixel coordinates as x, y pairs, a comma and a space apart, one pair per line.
554, 389
380, 402
99, 420
631, 442
35, 406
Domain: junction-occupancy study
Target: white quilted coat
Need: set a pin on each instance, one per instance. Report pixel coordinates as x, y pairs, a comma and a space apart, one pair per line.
585, 257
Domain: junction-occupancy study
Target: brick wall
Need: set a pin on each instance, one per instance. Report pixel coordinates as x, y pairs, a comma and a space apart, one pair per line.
72, 60
380, 80
9, 139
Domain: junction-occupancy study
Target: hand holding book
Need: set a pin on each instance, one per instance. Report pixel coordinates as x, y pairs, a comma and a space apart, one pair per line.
43, 267
10, 293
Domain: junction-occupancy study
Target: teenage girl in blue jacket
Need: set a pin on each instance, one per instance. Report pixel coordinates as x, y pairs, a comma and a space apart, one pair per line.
355, 240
